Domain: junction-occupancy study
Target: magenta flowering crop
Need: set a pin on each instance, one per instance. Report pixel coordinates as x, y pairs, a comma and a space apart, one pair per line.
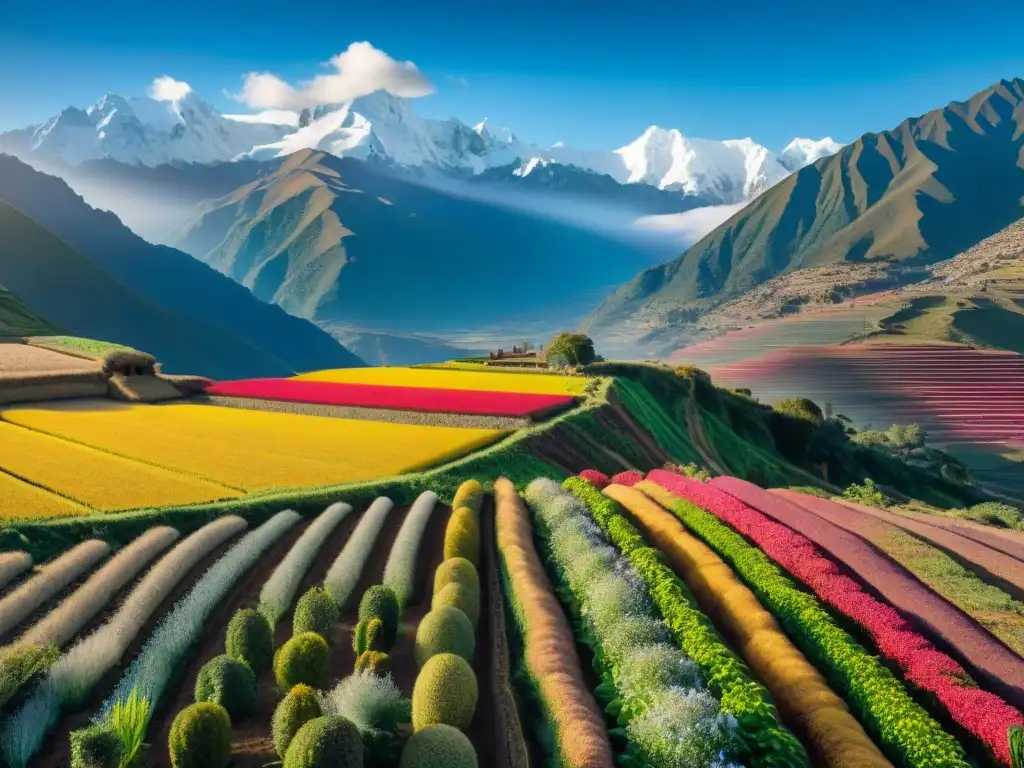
630, 478
983, 714
597, 479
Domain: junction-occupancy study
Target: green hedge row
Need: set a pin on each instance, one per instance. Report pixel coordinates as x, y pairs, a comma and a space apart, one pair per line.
766, 742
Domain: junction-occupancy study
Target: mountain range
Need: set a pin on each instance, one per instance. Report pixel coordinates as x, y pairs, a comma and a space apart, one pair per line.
380, 126
89, 274
911, 196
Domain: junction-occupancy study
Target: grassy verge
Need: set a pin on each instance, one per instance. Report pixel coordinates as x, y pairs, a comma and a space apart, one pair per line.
89, 347
646, 410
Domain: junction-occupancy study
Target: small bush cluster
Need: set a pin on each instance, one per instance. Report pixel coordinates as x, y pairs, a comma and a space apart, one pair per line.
299, 706
462, 536
437, 745
368, 635
325, 741
445, 692
200, 737
597, 479
377, 662
229, 682
249, 640
317, 612
381, 602
444, 630
303, 659
374, 705
95, 747
866, 494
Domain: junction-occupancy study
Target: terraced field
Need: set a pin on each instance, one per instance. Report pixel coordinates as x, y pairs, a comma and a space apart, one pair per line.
458, 617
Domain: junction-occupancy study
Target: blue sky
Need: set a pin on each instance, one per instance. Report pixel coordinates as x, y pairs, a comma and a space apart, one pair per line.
593, 74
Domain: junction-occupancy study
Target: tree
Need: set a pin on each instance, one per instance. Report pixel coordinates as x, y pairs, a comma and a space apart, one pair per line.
570, 349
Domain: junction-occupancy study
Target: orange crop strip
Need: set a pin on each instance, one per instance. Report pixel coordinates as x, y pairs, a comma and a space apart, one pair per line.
804, 699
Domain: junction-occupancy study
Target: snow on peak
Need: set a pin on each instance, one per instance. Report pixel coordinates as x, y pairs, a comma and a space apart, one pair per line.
802, 152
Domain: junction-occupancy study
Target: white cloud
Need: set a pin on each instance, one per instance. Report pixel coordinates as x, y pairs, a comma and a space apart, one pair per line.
168, 89
270, 117
689, 226
360, 70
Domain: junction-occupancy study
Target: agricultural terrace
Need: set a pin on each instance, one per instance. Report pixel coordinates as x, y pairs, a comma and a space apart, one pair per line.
545, 597
481, 380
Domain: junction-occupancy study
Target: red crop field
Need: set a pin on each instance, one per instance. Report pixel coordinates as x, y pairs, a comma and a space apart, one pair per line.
461, 401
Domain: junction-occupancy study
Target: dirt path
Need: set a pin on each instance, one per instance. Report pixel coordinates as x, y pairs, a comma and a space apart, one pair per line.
621, 420
992, 664
695, 426
24, 359
993, 566
54, 753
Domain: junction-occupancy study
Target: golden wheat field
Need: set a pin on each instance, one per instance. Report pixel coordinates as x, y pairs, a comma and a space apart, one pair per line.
430, 378
19, 499
97, 479
252, 450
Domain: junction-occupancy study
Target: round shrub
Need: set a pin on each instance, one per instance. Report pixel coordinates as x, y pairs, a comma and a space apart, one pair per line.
456, 569
296, 709
470, 494
249, 639
444, 630
597, 479
229, 682
303, 659
317, 612
462, 536
445, 692
325, 742
200, 737
438, 745
95, 747
466, 599
381, 602
570, 349
629, 478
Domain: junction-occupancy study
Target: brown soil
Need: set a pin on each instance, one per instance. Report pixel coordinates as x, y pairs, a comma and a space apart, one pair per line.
991, 565
54, 753
251, 742
25, 359
952, 631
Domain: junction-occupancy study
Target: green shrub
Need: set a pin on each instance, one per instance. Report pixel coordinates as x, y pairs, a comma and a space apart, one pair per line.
20, 662
317, 612
992, 513
229, 682
381, 602
200, 737
1016, 737
444, 630
866, 494
249, 639
375, 706
298, 707
462, 536
566, 349
368, 635
375, 661
466, 599
470, 494
303, 659
325, 742
95, 747
445, 692
456, 569
439, 745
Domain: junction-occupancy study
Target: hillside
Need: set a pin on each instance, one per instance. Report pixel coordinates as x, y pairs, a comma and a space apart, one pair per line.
355, 248
17, 319
169, 279
901, 198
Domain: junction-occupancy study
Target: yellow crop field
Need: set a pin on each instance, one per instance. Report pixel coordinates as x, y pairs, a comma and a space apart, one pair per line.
95, 478
432, 378
253, 450
19, 499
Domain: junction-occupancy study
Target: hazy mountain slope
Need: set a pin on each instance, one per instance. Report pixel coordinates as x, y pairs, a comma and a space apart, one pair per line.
917, 194
166, 276
18, 319
74, 292
343, 243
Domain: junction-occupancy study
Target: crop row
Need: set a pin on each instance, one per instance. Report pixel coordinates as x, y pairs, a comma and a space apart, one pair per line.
73, 675
20, 500
903, 728
253, 450
12, 565
656, 692
400, 570
461, 401
436, 378
763, 741
571, 715
983, 714
344, 573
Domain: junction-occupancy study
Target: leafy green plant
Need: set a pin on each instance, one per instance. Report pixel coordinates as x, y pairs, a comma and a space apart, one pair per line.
299, 706
866, 494
303, 659
229, 682
570, 349
368, 635
1016, 737
316, 611
200, 737
381, 602
375, 661
20, 662
249, 640
128, 720
95, 747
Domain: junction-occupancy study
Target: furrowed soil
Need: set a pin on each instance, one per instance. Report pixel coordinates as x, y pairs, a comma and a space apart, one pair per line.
55, 751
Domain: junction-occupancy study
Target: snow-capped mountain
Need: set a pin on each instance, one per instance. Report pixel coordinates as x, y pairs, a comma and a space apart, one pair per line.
144, 131
151, 131
801, 152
